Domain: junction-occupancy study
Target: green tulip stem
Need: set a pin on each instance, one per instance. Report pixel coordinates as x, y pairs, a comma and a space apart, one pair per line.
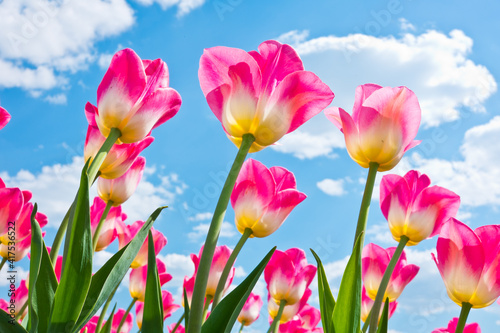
97, 232
229, 264
463, 317
207, 305
125, 315
365, 203
196, 313
384, 283
104, 309
242, 327
179, 322
276, 321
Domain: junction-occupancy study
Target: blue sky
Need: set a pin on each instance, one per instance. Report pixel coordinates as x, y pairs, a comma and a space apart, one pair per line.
54, 54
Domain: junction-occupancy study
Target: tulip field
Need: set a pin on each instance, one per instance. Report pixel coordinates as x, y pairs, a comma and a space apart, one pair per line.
112, 243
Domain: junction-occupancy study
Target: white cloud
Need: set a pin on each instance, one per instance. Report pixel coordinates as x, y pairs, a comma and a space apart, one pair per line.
380, 234
42, 38
200, 230
201, 216
55, 187
405, 25
179, 266
332, 187
183, 6
57, 99
436, 66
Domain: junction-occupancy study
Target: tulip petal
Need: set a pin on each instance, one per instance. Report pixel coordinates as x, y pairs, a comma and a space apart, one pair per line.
333, 114
361, 94
11, 203
4, 117
284, 179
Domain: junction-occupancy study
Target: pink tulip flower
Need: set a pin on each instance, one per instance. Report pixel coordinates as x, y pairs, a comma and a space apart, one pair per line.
23, 223
251, 310
265, 93
19, 251
134, 97
221, 256
288, 275
168, 307
452, 327
179, 329
290, 311
11, 205
127, 232
17, 301
263, 198
374, 262
138, 279
4, 117
108, 231
382, 127
117, 318
119, 158
188, 286
91, 325
414, 209
120, 189
367, 304
469, 262
304, 322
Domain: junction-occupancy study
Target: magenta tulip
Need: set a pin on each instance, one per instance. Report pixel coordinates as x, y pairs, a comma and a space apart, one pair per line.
452, 326
367, 304
138, 279
19, 297
23, 224
119, 158
374, 262
251, 310
265, 93
263, 198
382, 127
289, 311
127, 232
11, 205
188, 287
168, 307
305, 321
413, 209
4, 117
469, 262
134, 97
288, 275
127, 324
91, 325
221, 256
179, 329
120, 189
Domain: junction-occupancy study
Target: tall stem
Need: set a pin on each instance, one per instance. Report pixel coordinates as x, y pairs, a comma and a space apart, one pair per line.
242, 326
4, 260
105, 213
56, 245
229, 264
276, 321
205, 308
125, 315
365, 203
104, 309
463, 317
179, 322
200, 285
367, 322
385, 282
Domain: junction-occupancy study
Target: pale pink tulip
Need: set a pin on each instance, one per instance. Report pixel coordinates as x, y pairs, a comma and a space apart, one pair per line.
374, 261
179, 329
452, 327
138, 279
108, 231
4, 117
265, 93
118, 190
304, 322
19, 297
263, 198
221, 256
382, 127
251, 310
119, 158
288, 275
290, 311
127, 232
469, 262
414, 209
134, 97
367, 304
168, 307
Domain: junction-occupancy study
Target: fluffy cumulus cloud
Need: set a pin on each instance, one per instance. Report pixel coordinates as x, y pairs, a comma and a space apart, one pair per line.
55, 186
200, 230
183, 6
43, 39
435, 65
332, 187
